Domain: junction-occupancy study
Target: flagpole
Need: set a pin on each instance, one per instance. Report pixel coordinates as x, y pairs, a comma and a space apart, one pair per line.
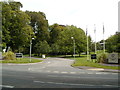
103, 39
87, 44
95, 38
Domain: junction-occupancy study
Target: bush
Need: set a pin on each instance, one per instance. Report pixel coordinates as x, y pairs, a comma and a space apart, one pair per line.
9, 56
102, 58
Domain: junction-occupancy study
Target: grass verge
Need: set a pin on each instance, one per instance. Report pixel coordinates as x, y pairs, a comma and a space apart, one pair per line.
21, 60
82, 61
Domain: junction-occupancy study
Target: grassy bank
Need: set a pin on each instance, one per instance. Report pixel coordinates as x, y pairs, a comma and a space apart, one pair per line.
21, 60
82, 61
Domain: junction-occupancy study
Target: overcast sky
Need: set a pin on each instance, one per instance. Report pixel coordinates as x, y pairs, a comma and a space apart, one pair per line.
80, 13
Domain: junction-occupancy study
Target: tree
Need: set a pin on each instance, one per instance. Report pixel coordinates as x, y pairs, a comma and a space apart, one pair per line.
113, 43
15, 25
55, 30
42, 47
39, 24
55, 49
66, 43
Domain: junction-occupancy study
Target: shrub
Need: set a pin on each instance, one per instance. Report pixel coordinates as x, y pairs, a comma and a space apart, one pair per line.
102, 58
9, 56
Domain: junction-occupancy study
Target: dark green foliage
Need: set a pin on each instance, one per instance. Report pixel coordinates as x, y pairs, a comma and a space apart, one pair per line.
113, 43
19, 27
42, 47
61, 38
39, 24
15, 26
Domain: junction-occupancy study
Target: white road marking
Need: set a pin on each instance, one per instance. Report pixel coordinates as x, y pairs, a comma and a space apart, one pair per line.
48, 71
114, 73
43, 67
73, 84
73, 72
6, 86
98, 73
29, 69
49, 62
90, 73
64, 72
55, 71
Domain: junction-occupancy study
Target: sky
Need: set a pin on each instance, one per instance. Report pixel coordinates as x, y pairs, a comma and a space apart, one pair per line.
81, 13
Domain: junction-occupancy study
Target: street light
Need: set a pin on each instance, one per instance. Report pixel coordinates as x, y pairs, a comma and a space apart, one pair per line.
30, 48
73, 46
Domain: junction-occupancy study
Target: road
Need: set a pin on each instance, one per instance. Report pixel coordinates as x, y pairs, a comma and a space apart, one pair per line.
55, 73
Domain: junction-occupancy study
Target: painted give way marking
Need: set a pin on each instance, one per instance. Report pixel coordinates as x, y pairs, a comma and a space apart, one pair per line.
6, 86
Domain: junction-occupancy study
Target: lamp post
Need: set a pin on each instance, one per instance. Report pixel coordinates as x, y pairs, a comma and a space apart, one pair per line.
30, 48
73, 46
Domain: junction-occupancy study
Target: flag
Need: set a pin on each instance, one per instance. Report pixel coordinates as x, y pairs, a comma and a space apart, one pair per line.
103, 29
94, 29
86, 32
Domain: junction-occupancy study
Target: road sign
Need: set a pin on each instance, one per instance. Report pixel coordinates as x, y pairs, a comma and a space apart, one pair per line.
113, 58
19, 55
93, 56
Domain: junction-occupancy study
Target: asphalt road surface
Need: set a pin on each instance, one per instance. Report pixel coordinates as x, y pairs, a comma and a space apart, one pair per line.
55, 73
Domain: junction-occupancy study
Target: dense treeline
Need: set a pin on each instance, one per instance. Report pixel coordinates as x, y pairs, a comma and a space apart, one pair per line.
113, 43
19, 28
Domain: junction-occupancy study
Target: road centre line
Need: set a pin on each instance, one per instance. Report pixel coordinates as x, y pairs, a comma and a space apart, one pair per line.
90, 73
56, 71
6, 86
64, 72
98, 73
73, 72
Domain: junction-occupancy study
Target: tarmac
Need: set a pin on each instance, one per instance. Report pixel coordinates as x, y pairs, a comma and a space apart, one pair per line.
98, 69
83, 67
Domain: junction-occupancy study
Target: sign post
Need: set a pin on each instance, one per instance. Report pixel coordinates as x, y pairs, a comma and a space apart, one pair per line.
93, 56
113, 58
19, 55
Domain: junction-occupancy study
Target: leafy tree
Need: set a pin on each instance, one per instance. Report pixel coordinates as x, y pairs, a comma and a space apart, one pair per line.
66, 43
113, 43
55, 49
42, 47
15, 25
39, 24
55, 30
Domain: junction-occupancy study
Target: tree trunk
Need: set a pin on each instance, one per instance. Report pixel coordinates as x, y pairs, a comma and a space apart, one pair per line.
79, 54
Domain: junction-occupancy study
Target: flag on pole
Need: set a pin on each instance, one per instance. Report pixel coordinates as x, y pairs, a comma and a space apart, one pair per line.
94, 29
103, 29
86, 31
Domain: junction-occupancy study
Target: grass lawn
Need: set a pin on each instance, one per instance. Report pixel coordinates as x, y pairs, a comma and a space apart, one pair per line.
82, 61
21, 60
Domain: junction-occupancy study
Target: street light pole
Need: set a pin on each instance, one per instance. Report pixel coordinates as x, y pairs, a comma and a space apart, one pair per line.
30, 48
73, 46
